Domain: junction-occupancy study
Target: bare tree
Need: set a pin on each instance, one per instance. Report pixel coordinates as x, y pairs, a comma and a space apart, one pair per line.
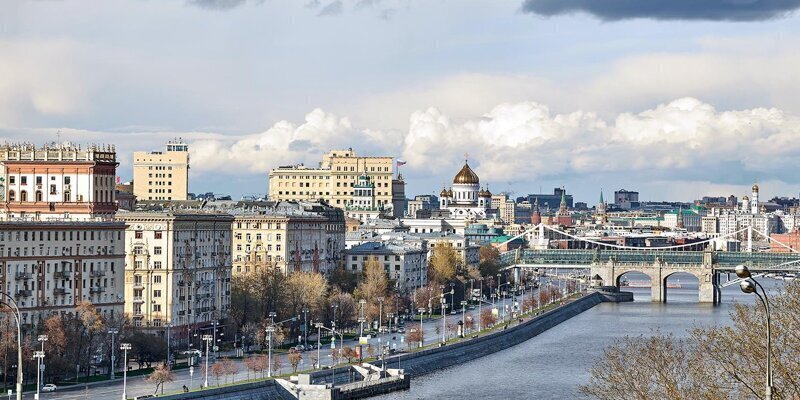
160, 375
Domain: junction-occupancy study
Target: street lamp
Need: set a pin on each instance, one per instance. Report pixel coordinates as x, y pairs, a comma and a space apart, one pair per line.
207, 339
112, 332
168, 357
305, 326
380, 313
750, 285
13, 305
41, 338
125, 347
270, 331
39, 356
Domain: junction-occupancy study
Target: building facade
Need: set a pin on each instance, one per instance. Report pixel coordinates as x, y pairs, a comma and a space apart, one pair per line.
177, 270
295, 237
405, 264
162, 175
57, 182
335, 180
50, 267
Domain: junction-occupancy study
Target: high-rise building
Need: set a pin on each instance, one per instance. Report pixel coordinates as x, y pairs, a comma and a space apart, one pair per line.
162, 175
57, 182
177, 270
626, 199
334, 180
50, 267
548, 202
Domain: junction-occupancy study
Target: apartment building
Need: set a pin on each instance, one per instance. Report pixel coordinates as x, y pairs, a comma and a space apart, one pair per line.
162, 175
335, 178
404, 263
50, 267
57, 181
177, 270
292, 236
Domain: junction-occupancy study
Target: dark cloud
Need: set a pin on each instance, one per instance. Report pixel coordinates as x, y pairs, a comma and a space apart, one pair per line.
333, 8
710, 10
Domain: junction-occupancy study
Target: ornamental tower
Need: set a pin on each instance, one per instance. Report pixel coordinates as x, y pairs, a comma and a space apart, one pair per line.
754, 200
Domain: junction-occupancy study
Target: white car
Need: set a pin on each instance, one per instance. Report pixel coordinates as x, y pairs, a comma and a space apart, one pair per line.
49, 388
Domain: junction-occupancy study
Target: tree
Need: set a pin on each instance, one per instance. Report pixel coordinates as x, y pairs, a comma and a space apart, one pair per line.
416, 334
160, 375
218, 370
91, 325
345, 306
349, 353
294, 360
277, 365
305, 289
489, 261
373, 285
427, 297
444, 263
718, 362
469, 323
229, 368
488, 318
343, 279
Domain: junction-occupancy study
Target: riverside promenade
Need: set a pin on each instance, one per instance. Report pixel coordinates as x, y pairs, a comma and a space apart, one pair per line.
415, 363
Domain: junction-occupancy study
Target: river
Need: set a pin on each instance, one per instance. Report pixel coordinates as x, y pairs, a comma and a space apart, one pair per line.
554, 364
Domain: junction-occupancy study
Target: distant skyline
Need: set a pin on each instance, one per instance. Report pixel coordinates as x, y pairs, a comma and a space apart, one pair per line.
674, 99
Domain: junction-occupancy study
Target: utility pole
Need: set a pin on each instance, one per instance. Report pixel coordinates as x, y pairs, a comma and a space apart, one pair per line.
112, 332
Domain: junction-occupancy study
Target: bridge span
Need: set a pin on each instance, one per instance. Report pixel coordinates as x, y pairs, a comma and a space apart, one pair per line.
610, 262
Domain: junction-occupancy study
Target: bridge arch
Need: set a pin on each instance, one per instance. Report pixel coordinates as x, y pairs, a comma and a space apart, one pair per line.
620, 273
665, 287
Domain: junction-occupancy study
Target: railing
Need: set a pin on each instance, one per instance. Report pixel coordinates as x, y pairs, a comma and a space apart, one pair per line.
23, 275
62, 274
24, 293
138, 299
98, 273
138, 285
97, 289
60, 292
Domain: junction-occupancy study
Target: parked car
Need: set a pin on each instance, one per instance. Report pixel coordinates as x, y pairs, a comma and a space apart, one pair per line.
49, 388
299, 348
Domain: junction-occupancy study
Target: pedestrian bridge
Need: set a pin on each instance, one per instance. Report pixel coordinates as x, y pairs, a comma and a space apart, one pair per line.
610, 262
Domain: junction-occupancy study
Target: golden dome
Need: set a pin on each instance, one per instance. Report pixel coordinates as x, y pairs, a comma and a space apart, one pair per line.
745, 198
466, 176
485, 193
443, 193
449, 193
755, 188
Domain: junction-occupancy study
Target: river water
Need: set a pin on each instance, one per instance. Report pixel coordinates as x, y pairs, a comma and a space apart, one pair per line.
554, 364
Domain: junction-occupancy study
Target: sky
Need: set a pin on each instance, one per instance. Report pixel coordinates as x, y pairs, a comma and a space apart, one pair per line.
674, 98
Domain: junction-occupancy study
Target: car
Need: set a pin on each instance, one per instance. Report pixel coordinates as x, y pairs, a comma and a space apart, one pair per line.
299, 348
49, 388
401, 329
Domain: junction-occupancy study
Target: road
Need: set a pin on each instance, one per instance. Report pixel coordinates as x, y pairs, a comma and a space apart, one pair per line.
138, 386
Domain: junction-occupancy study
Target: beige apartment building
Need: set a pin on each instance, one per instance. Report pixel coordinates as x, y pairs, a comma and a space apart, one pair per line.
291, 236
162, 175
50, 267
334, 179
177, 270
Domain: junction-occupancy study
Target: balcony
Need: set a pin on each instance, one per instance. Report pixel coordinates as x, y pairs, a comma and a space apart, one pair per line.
62, 274
24, 293
138, 299
138, 285
98, 273
60, 292
138, 314
23, 275
97, 289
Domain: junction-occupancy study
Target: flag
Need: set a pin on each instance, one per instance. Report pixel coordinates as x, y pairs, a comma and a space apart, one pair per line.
117, 180
400, 162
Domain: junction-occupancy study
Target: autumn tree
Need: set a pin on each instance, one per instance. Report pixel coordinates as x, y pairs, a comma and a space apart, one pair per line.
345, 307
415, 334
160, 375
444, 263
218, 370
277, 365
373, 285
294, 360
349, 353
489, 261
711, 363
89, 325
488, 318
427, 297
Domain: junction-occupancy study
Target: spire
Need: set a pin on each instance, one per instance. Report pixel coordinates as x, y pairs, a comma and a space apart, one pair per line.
536, 204
563, 198
601, 196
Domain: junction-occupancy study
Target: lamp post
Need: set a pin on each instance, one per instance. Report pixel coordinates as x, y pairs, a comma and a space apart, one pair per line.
111, 332
39, 356
480, 305
42, 338
270, 331
207, 339
124, 347
305, 326
168, 357
463, 316
750, 285
18, 318
444, 319
380, 313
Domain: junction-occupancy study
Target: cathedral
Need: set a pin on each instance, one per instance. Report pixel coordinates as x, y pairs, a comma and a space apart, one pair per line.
465, 199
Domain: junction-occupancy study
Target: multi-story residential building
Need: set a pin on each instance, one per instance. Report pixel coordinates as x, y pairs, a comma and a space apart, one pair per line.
161, 175
291, 236
335, 179
709, 224
422, 202
50, 267
177, 270
57, 182
406, 264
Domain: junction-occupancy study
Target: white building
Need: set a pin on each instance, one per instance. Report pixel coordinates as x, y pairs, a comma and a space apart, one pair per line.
465, 199
404, 263
51, 267
57, 182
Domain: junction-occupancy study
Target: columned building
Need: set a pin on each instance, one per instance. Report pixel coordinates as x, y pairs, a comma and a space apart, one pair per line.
465, 199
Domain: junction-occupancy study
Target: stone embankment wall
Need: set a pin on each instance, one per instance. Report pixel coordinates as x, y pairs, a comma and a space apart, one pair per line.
426, 361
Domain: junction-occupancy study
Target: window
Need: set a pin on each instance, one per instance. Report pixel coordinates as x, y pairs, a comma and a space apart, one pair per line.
157, 308
12, 179
156, 264
157, 250
66, 180
23, 180
156, 293
138, 234
157, 279
52, 189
